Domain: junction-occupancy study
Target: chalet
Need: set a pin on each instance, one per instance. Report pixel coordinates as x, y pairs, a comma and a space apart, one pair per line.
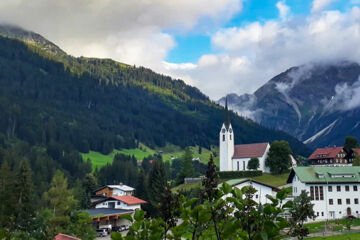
120, 202
110, 202
115, 190
332, 156
334, 190
262, 189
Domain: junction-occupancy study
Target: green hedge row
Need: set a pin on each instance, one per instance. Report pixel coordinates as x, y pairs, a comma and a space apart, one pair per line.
239, 174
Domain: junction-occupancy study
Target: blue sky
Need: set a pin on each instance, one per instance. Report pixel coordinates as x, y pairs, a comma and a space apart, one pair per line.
191, 46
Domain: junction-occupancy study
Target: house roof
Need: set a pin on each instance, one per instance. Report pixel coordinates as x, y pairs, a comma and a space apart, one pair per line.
108, 211
61, 236
250, 150
234, 182
129, 200
321, 174
122, 187
329, 152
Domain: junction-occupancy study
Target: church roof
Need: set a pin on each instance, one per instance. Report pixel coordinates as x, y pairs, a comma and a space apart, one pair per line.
250, 150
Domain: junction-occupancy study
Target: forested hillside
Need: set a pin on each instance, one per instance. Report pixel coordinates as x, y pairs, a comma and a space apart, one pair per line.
101, 104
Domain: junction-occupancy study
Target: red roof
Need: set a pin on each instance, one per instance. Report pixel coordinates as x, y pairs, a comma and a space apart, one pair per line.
129, 200
61, 236
250, 150
322, 153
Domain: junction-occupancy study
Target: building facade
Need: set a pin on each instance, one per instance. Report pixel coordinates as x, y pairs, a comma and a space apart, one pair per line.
333, 156
335, 191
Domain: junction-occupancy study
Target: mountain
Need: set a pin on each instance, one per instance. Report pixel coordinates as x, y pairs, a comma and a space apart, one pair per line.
318, 103
48, 97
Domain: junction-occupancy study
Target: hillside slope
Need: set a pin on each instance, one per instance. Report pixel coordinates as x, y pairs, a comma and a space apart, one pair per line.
99, 104
317, 103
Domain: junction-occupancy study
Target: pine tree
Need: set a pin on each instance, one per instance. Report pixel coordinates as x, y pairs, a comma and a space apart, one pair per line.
211, 180
7, 200
141, 187
187, 168
24, 197
157, 183
169, 209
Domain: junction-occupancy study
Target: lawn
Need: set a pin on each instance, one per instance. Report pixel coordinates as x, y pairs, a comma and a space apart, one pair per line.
169, 151
98, 159
273, 180
333, 225
187, 187
348, 236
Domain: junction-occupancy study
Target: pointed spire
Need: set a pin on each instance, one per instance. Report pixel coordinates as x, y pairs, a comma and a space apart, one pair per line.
226, 115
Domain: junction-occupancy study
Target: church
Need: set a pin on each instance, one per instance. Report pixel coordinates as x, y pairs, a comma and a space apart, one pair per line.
236, 157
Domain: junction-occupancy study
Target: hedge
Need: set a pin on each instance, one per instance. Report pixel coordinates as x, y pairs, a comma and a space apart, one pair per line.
239, 174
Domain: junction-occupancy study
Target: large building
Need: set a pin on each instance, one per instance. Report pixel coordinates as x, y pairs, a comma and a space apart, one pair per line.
333, 156
335, 191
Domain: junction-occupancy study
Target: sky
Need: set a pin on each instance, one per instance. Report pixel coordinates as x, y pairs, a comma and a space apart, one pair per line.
218, 46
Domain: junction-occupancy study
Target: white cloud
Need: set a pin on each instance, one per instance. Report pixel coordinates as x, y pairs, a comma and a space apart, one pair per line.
284, 10
319, 5
125, 30
252, 54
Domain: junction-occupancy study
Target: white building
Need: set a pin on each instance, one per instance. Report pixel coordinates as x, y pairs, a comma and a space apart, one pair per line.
120, 202
262, 189
335, 191
115, 190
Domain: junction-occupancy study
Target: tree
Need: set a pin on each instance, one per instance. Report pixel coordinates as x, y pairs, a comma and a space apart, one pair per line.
7, 199
141, 187
300, 211
169, 210
211, 180
89, 185
24, 197
253, 163
61, 202
157, 184
187, 167
350, 143
278, 159
356, 161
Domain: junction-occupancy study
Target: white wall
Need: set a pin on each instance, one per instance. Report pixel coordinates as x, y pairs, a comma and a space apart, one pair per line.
262, 191
118, 205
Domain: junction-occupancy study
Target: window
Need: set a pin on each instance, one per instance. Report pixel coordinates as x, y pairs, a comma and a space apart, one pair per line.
321, 193
338, 188
339, 201
312, 193
317, 213
347, 188
316, 193
355, 188
257, 196
330, 188
348, 201
331, 202
322, 214
230, 136
238, 166
356, 200
244, 165
223, 137
118, 203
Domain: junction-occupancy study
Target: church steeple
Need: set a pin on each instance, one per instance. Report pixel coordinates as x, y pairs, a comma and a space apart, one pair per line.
226, 115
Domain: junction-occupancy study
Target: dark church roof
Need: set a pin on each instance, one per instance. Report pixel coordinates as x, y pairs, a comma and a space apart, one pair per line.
249, 150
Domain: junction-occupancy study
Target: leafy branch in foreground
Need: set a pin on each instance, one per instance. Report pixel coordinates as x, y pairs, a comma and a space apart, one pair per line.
219, 213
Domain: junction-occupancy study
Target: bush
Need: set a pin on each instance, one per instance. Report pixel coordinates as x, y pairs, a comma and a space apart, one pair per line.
239, 174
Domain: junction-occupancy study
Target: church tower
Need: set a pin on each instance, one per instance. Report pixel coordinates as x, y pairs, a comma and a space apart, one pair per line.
226, 142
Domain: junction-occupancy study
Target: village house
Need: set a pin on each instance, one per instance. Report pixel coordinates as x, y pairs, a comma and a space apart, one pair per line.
262, 190
333, 156
334, 190
110, 202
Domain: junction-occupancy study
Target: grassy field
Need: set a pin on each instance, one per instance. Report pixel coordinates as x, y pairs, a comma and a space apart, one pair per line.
169, 151
333, 225
273, 180
348, 236
187, 187
98, 160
